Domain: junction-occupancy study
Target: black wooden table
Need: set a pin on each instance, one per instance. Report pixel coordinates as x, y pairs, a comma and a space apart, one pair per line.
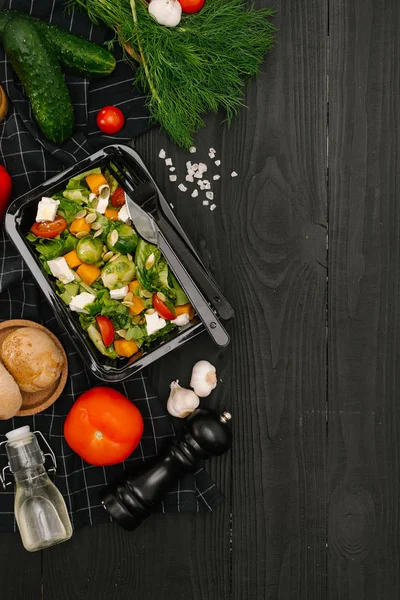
312, 483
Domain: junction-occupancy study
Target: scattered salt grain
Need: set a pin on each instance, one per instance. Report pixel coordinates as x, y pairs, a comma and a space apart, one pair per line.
212, 150
189, 178
188, 164
216, 177
210, 195
213, 206
217, 162
172, 169
202, 167
171, 205
173, 177
168, 162
201, 184
192, 149
198, 175
211, 155
195, 193
206, 202
182, 187
206, 184
162, 153
234, 174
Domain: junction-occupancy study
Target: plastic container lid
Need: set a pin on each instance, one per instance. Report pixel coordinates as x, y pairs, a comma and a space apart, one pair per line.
18, 434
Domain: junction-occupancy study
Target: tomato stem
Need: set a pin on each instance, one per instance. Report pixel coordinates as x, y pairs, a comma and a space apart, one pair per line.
98, 435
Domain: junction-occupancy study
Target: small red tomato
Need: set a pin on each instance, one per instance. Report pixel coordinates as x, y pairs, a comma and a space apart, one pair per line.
162, 308
118, 198
49, 229
110, 119
5, 190
191, 6
106, 329
103, 427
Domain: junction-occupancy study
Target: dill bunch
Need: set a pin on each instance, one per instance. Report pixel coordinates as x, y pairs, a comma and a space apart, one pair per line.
192, 69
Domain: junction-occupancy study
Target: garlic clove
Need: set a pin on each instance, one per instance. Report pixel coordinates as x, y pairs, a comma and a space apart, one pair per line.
204, 378
181, 402
166, 12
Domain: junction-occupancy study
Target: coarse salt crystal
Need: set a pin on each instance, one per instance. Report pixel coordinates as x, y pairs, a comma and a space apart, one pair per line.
172, 169
217, 162
189, 178
207, 184
200, 184
162, 153
206, 202
213, 206
171, 205
195, 193
182, 187
216, 177
210, 195
202, 167
198, 175
212, 150
192, 149
188, 164
234, 174
211, 155
173, 177
168, 162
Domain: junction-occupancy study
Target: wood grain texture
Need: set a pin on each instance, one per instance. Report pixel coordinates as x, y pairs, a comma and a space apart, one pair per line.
20, 571
364, 300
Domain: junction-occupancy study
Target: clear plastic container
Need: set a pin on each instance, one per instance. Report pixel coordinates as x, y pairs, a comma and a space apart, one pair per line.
40, 510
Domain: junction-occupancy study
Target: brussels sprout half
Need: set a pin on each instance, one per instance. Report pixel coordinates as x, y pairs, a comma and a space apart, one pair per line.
118, 272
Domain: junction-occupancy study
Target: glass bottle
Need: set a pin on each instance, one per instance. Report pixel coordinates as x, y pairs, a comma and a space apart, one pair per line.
40, 510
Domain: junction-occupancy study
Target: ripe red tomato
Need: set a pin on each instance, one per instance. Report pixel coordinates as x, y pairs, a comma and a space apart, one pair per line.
103, 427
49, 229
5, 190
106, 329
118, 198
110, 119
191, 6
162, 309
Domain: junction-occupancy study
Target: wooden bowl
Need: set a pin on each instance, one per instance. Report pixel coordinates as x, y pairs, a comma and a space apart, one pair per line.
35, 402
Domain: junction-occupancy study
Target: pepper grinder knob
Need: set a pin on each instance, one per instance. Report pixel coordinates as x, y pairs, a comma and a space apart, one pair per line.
207, 433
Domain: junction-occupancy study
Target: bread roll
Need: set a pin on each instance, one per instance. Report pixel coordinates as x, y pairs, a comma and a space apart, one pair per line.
32, 358
10, 395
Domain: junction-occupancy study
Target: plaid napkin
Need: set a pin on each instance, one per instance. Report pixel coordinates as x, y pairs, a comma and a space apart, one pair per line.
30, 160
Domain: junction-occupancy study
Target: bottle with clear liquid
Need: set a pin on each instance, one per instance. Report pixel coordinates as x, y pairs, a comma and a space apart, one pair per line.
40, 510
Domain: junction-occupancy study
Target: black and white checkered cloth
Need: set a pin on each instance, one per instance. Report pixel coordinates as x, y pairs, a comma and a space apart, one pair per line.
30, 160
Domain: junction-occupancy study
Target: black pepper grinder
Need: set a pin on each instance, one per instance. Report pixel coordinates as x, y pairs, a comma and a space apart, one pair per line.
130, 499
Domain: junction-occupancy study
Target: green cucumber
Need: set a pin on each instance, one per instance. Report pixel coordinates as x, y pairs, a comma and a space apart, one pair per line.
74, 52
41, 77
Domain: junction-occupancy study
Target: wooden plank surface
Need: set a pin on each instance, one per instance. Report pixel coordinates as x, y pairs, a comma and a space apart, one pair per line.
364, 300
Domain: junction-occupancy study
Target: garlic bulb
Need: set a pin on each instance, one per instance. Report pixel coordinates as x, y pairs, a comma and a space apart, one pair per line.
204, 378
166, 12
181, 402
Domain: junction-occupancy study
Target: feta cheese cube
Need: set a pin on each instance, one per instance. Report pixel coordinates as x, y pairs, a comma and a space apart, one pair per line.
173, 177
102, 205
195, 193
217, 162
47, 209
168, 162
60, 269
234, 174
210, 195
92, 197
192, 149
120, 293
181, 320
79, 302
182, 187
216, 177
162, 153
123, 214
154, 323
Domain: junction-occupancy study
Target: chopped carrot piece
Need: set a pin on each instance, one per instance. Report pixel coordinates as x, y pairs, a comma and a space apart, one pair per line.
95, 181
183, 309
126, 348
78, 225
88, 273
111, 214
72, 259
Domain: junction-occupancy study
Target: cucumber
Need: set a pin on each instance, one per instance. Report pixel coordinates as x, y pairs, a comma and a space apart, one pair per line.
41, 77
75, 53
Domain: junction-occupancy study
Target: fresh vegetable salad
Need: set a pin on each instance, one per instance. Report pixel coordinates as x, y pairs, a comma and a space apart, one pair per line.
120, 285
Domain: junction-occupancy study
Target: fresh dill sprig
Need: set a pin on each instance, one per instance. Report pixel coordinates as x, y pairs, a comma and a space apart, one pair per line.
192, 69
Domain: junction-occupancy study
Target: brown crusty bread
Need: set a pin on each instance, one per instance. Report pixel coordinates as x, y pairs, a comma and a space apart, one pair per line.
10, 395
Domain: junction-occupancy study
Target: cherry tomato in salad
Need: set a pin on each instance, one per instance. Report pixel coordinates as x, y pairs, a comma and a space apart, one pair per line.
5, 190
191, 6
162, 309
103, 426
110, 119
118, 197
107, 330
49, 229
